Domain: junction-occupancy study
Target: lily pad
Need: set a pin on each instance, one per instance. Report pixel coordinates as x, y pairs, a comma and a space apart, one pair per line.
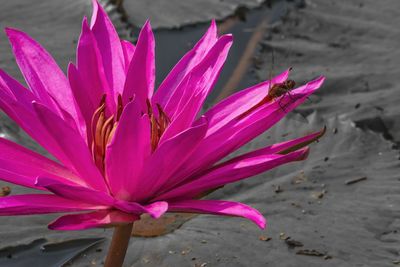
42, 253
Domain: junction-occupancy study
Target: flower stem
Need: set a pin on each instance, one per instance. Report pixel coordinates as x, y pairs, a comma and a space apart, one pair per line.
119, 245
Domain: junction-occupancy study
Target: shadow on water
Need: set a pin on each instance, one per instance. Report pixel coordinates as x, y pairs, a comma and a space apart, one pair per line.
244, 25
42, 253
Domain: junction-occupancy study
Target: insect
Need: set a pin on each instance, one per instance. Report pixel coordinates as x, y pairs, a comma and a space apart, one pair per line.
277, 90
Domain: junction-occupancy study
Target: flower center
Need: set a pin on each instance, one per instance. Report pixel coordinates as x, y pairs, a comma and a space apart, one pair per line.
103, 128
158, 125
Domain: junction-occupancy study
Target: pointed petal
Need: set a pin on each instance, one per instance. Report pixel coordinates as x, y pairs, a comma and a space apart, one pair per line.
238, 132
127, 151
167, 159
194, 89
235, 171
13, 88
141, 73
21, 166
14, 101
185, 65
44, 77
231, 107
91, 220
110, 48
81, 94
202, 79
219, 207
41, 204
89, 83
284, 147
129, 49
72, 145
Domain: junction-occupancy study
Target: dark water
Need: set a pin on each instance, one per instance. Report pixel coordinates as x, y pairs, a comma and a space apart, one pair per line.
171, 45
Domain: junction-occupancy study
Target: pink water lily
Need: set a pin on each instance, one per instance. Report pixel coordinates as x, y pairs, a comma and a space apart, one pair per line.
123, 149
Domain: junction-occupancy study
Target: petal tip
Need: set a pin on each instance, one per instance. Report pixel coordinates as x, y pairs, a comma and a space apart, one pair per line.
304, 153
96, 7
157, 209
262, 223
12, 32
147, 27
317, 82
213, 27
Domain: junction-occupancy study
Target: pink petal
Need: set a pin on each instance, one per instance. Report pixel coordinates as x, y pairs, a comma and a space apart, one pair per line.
86, 195
193, 90
21, 166
41, 204
73, 146
15, 101
88, 79
13, 88
238, 132
91, 220
110, 48
231, 107
235, 171
127, 151
156, 209
167, 159
44, 77
129, 49
219, 207
141, 73
185, 65
74, 191
284, 147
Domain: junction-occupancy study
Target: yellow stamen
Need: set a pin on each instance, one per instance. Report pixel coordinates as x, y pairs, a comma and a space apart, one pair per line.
104, 127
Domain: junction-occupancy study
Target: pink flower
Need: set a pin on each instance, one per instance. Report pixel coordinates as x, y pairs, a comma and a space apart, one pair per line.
123, 149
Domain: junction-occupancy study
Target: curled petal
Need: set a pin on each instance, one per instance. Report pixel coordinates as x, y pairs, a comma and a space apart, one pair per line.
102, 218
219, 207
156, 209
